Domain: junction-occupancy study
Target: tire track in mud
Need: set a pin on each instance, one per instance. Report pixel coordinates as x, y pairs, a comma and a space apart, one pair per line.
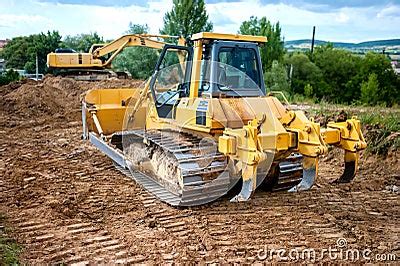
216, 220
78, 242
67, 204
162, 214
65, 240
222, 220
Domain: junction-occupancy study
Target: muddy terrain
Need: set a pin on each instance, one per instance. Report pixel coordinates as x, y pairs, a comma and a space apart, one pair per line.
64, 202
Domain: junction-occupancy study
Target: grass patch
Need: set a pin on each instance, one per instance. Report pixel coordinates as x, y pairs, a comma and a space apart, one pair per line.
382, 132
9, 249
381, 125
391, 121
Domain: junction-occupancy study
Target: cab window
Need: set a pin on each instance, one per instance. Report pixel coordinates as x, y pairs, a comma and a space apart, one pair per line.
237, 68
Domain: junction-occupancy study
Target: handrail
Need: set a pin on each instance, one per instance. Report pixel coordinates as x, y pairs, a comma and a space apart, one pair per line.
283, 96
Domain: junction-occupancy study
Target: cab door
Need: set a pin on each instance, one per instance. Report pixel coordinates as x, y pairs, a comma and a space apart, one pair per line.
171, 79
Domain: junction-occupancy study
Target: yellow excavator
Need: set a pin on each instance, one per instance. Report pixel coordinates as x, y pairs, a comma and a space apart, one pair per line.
204, 126
96, 64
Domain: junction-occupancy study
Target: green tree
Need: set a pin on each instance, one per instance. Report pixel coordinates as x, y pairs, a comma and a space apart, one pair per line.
276, 78
137, 28
82, 42
339, 76
20, 52
370, 90
303, 73
340, 70
273, 49
187, 17
15, 52
139, 61
389, 82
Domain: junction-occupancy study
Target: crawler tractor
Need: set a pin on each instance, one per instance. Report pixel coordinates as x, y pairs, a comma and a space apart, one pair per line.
204, 125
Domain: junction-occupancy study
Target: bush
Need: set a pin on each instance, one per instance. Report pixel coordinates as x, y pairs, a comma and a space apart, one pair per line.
276, 79
308, 90
304, 72
9, 76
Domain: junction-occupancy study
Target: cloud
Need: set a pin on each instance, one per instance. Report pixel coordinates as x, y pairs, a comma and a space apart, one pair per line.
11, 19
329, 5
343, 24
350, 20
342, 17
123, 3
72, 19
9, 22
390, 11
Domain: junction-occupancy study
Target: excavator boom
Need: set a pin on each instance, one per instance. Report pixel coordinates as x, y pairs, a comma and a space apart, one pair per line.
100, 56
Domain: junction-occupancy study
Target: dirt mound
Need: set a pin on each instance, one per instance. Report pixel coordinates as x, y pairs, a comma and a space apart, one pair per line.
14, 85
34, 99
52, 97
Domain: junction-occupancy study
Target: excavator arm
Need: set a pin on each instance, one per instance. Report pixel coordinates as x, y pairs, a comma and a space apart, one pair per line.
141, 40
93, 59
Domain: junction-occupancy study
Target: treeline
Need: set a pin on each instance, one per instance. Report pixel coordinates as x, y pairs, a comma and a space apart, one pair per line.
329, 74
21, 52
333, 75
337, 76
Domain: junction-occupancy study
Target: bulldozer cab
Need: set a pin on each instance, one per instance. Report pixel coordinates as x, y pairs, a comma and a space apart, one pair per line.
231, 69
212, 68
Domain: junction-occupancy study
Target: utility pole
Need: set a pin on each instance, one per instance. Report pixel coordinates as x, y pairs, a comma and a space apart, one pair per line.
313, 40
37, 68
290, 77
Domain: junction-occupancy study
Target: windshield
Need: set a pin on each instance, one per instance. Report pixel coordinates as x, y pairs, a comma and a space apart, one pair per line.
244, 61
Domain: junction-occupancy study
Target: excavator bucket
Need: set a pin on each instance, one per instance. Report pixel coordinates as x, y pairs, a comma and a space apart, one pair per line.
350, 167
310, 166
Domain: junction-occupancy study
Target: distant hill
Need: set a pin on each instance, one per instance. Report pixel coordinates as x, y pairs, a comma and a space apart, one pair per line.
347, 45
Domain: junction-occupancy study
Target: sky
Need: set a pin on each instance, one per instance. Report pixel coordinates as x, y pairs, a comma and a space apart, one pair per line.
340, 20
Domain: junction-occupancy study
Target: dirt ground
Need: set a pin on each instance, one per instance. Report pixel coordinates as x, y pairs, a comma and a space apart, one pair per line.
65, 202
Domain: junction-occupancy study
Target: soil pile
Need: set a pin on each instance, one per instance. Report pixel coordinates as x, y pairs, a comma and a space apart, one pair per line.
53, 97
34, 99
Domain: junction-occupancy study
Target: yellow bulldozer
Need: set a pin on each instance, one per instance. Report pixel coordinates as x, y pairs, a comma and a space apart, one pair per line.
204, 125
96, 64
